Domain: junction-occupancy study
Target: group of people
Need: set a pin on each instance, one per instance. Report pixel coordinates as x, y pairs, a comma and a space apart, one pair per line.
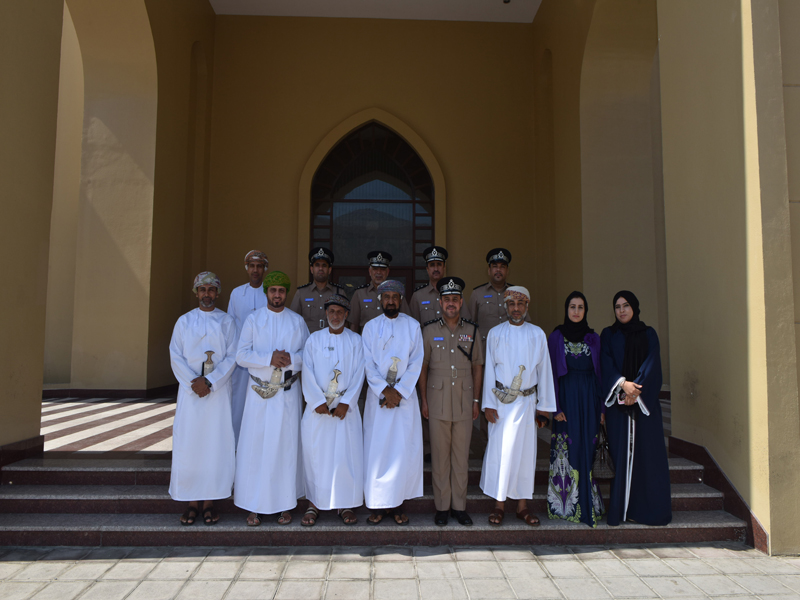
247, 421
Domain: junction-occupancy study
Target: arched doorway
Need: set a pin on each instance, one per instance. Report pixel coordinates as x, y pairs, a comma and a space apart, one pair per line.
373, 192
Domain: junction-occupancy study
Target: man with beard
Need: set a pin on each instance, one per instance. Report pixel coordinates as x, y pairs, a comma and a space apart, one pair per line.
424, 303
203, 354
517, 384
392, 425
309, 299
449, 384
333, 373
269, 468
365, 305
245, 299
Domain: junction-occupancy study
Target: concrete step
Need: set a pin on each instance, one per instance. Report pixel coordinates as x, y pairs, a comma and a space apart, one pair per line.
144, 469
147, 499
165, 530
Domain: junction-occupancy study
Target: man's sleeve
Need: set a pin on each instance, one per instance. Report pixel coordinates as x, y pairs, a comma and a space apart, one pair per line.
409, 379
295, 307
222, 372
489, 399
355, 312
311, 391
246, 356
183, 372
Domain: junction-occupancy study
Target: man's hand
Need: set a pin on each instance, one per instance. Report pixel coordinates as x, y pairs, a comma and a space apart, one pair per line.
491, 415
322, 409
199, 387
476, 410
425, 412
340, 410
392, 396
561, 417
280, 359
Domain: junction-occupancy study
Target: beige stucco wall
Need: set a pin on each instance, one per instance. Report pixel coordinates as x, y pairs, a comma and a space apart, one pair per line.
30, 45
64, 218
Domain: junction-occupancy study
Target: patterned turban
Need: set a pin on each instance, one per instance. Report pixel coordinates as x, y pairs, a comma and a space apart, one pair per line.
517, 292
206, 278
338, 301
277, 278
256, 255
390, 285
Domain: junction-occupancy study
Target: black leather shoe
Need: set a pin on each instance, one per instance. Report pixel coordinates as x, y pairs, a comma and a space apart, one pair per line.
441, 517
461, 516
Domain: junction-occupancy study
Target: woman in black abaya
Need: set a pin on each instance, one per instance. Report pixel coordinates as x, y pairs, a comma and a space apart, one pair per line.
631, 370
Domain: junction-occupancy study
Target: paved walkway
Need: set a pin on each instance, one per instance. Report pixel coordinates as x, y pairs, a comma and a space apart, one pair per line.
394, 573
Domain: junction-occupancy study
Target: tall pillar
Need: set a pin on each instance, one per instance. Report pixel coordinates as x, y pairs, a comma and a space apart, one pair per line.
30, 47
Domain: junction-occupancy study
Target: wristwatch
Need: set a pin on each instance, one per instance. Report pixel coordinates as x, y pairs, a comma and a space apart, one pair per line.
208, 383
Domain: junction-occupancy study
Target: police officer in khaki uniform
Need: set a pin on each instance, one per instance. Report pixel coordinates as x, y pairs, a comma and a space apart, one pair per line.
364, 305
424, 303
450, 384
309, 299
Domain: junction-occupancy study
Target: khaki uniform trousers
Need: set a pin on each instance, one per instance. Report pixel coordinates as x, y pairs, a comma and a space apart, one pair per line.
450, 462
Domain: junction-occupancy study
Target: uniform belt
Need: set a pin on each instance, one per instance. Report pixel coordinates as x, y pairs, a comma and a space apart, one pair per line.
451, 372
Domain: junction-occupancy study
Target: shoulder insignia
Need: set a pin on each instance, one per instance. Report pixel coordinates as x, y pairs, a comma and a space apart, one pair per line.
300, 287
336, 285
508, 285
481, 285
362, 286
463, 320
426, 323
419, 287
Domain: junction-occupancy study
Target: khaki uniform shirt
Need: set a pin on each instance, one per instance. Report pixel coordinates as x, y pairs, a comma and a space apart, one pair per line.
309, 303
487, 309
424, 304
449, 387
365, 306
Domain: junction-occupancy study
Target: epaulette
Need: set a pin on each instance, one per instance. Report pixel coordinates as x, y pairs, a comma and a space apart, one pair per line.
300, 287
362, 286
481, 285
336, 285
463, 320
426, 323
419, 287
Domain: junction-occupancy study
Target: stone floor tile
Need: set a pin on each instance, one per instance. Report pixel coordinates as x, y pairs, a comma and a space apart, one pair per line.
87, 569
776, 597
107, 553
25, 554
438, 569
527, 570
651, 568
474, 554
395, 589
513, 553
775, 566
61, 590
306, 570
229, 553
442, 589
347, 590
528, 589
670, 552
578, 589
262, 570
627, 553
480, 570
67, 553
592, 552
276, 554
172, 571
627, 587
109, 590
433, 553
251, 590
216, 570
672, 587
187, 554
691, 566
312, 553
761, 584
733, 565
394, 570
711, 552
609, 568
19, 590
740, 550
791, 581
204, 590
299, 590
41, 571
564, 568
717, 585
352, 553
553, 553
132, 570
792, 560
147, 553
351, 570
9, 569
156, 590
487, 589
392, 553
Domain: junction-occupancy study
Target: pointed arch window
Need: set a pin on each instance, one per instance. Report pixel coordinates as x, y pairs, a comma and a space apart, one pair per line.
373, 192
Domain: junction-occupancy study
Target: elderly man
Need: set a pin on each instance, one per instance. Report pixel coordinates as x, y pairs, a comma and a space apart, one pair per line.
308, 301
269, 468
365, 305
517, 384
392, 425
245, 299
203, 355
333, 373
424, 303
449, 384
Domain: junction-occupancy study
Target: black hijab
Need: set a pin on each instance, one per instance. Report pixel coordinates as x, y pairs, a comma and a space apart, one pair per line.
636, 344
575, 332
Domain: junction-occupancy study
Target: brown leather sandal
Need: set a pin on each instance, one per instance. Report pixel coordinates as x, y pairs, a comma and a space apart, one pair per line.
526, 516
497, 516
285, 518
348, 517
